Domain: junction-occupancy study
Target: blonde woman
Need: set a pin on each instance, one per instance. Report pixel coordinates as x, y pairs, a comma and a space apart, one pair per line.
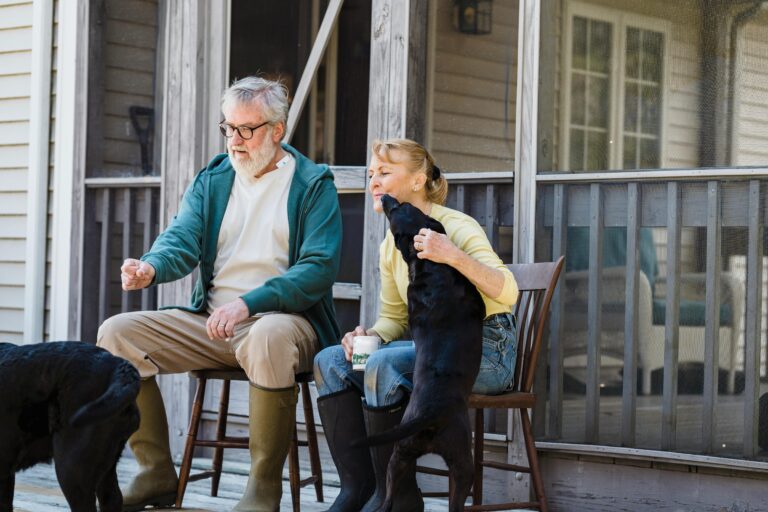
405, 170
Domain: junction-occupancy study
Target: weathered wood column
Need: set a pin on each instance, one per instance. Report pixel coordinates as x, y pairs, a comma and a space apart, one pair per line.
396, 108
193, 72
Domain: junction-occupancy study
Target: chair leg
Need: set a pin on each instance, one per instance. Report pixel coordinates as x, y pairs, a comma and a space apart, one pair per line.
477, 486
221, 432
533, 460
314, 454
189, 449
294, 478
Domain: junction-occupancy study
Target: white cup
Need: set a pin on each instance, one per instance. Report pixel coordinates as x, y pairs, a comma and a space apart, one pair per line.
362, 348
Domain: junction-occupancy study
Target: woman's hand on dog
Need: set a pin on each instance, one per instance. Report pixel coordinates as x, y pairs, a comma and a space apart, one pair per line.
136, 274
434, 246
221, 324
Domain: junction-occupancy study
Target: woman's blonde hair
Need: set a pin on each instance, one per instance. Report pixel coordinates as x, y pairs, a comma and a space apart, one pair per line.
416, 159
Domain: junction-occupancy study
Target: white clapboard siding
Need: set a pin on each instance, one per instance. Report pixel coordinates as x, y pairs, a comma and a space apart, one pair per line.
474, 75
751, 124
129, 70
51, 152
15, 69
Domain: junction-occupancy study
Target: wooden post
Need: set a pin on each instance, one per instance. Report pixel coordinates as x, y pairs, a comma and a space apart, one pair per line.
396, 104
194, 73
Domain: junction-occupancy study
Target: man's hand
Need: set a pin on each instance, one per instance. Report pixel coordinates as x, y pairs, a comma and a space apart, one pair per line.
136, 274
221, 324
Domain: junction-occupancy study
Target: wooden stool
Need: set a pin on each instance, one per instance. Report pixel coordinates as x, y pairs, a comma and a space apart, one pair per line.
223, 441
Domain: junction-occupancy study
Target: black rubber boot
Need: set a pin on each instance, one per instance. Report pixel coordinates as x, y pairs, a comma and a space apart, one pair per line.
408, 497
342, 417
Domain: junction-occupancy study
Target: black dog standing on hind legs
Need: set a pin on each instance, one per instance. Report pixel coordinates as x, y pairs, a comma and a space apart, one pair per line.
445, 317
71, 402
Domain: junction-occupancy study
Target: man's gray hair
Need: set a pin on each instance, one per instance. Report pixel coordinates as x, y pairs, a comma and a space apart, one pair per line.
272, 94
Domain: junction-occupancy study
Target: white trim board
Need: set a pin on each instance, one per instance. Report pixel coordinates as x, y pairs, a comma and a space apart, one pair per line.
66, 153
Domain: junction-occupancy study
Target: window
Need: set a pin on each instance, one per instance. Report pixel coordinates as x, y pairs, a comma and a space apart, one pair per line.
613, 90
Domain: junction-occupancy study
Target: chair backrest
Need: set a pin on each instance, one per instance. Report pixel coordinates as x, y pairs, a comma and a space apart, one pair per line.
536, 282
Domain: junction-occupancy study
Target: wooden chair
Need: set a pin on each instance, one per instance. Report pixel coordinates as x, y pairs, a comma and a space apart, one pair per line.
223, 441
536, 282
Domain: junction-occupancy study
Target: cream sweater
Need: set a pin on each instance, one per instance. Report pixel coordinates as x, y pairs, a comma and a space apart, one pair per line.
253, 241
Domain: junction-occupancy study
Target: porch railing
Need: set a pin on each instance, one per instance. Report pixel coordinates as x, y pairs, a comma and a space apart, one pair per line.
121, 220
614, 313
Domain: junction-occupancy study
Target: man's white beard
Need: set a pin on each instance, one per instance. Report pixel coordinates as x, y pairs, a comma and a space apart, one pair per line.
256, 163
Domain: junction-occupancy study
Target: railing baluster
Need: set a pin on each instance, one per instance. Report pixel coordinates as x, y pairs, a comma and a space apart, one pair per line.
594, 313
127, 232
559, 241
461, 198
629, 382
105, 216
492, 216
753, 320
712, 323
672, 327
146, 240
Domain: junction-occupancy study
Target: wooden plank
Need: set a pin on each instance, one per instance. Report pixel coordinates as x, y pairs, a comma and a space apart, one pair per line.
313, 63
491, 215
16, 39
14, 16
126, 220
105, 218
753, 320
13, 203
16, 63
13, 227
15, 86
389, 93
631, 313
526, 128
712, 325
557, 312
147, 220
12, 274
14, 132
16, 109
672, 326
594, 313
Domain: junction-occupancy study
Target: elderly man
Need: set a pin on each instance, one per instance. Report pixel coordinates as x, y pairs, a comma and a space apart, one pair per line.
263, 225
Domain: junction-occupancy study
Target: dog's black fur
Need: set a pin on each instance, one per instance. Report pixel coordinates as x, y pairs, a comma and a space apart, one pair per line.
445, 316
71, 402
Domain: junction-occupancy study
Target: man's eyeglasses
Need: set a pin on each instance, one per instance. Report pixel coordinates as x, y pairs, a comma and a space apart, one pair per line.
245, 132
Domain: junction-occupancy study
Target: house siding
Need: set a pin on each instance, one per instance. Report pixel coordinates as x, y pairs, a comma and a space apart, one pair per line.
129, 77
474, 92
750, 144
15, 79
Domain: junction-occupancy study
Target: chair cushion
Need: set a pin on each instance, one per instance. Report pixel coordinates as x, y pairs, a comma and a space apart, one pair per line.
692, 313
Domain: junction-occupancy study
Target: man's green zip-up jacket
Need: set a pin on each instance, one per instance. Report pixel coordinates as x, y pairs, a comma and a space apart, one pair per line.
314, 246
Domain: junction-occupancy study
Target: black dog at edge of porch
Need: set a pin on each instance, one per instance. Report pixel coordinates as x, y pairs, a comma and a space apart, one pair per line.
445, 317
71, 402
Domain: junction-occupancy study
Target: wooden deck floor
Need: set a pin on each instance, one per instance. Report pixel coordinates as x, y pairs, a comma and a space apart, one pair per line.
38, 491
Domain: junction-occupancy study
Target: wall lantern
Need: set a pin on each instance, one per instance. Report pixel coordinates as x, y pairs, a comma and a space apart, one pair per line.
473, 16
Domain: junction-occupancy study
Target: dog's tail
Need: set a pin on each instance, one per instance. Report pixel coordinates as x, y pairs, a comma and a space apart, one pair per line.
122, 390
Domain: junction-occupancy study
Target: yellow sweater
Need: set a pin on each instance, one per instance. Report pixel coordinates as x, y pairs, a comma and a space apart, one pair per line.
467, 235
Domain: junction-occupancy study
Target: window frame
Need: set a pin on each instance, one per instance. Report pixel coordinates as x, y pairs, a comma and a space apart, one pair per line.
620, 22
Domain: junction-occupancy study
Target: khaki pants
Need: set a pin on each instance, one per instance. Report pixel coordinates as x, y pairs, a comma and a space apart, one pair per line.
271, 348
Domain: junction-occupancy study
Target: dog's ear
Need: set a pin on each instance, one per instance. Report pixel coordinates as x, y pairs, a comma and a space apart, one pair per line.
435, 225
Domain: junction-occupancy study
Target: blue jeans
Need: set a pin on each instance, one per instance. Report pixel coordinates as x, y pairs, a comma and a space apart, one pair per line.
388, 374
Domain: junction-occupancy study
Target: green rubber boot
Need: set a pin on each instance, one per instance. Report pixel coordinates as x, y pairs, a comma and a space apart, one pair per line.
272, 420
156, 482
